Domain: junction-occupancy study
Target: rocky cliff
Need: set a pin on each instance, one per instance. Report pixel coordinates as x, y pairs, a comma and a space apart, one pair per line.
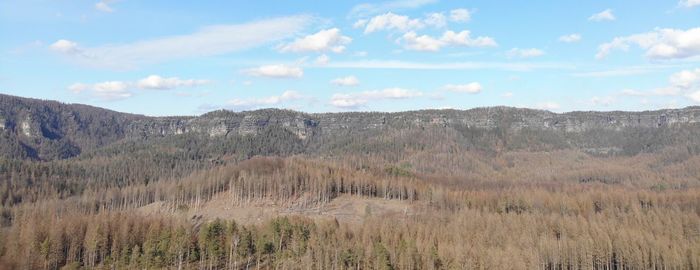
223, 123
39, 129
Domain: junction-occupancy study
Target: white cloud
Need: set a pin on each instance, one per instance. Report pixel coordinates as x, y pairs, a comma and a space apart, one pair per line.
605, 15
116, 90
160, 83
689, 3
421, 43
325, 40
347, 101
360, 99
507, 95
524, 53
65, 46
414, 42
276, 71
252, 103
322, 59
470, 88
401, 23
111, 86
105, 91
685, 83
464, 39
104, 6
346, 81
367, 9
360, 23
209, 41
436, 19
547, 106
571, 38
659, 44
686, 79
391, 21
460, 15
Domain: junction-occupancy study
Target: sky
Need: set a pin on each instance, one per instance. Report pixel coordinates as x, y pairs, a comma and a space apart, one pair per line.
162, 57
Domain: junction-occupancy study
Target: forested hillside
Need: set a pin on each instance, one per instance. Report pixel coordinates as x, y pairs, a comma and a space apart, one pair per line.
46, 130
488, 188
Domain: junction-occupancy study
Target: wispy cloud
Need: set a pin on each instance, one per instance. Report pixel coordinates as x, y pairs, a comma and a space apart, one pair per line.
104, 6
366, 9
346, 81
287, 99
325, 40
660, 44
276, 71
104, 91
470, 88
524, 53
414, 42
570, 38
685, 83
390, 21
118, 90
402, 23
253, 103
209, 41
322, 59
622, 71
689, 3
605, 15
460, 15
357, 100
159, 83
398, 64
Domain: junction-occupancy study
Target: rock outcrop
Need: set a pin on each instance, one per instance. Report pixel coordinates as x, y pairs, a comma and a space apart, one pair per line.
223, 123
48, 129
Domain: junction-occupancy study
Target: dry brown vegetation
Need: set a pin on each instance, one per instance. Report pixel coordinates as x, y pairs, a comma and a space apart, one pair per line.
91, 189
517, 210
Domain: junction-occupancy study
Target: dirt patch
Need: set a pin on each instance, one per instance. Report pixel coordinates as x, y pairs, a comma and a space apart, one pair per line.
346, 209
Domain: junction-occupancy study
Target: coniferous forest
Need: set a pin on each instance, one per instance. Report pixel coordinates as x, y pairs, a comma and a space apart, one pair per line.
490, 188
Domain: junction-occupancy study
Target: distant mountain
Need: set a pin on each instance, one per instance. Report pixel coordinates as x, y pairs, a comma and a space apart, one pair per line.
49, 130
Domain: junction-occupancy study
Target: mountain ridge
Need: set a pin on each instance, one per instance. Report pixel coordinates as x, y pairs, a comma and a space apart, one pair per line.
692, 107
46, 130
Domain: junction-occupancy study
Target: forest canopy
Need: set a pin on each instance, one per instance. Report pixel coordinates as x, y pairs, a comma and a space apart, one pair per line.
86, 188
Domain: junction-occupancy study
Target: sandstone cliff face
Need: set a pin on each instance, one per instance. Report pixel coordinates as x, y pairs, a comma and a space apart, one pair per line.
223, 123
49, 130
327, 124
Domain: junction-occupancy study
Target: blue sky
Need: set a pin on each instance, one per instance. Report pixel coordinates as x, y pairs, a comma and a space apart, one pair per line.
190, 57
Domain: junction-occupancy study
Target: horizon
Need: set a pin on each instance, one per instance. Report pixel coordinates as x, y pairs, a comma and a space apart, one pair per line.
186, 59
691, 107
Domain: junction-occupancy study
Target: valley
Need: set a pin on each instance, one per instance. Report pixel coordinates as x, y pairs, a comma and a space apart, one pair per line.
491, 188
